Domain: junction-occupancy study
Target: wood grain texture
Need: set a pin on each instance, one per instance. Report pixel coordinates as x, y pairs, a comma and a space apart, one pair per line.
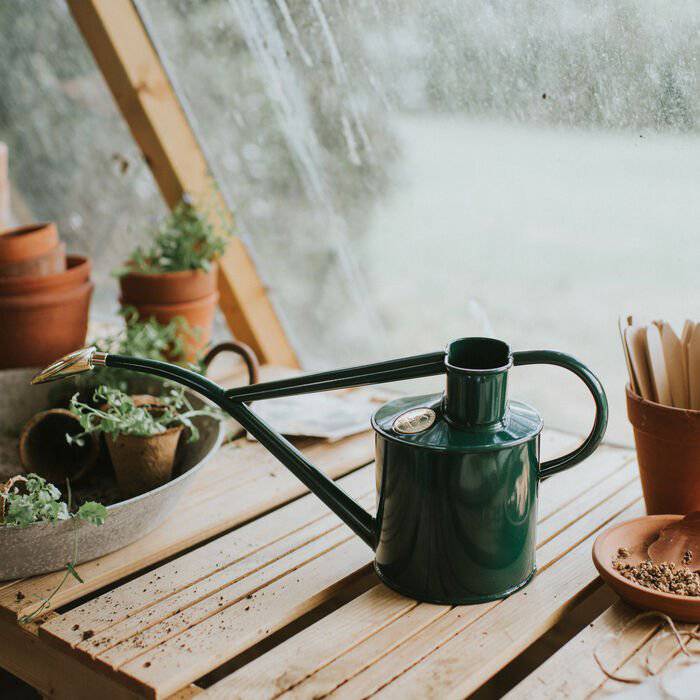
134, 73
572, 672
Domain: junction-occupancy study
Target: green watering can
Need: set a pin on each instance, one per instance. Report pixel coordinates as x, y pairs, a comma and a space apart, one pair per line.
457, 472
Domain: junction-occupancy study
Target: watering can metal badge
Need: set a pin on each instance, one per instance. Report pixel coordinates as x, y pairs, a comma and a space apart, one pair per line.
457, 472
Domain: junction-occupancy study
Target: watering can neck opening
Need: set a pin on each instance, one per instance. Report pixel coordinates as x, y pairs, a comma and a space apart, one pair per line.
476, 392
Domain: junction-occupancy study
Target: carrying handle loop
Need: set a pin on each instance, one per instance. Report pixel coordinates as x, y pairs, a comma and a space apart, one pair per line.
244, 351
560, 359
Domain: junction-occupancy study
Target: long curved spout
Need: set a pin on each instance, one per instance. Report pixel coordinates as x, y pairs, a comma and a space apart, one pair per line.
354, 515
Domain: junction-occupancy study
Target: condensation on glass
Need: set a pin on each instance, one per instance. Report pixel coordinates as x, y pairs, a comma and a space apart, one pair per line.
410, 171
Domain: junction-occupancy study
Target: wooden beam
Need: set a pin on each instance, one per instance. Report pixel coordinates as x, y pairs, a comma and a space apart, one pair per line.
134, 73
4, 188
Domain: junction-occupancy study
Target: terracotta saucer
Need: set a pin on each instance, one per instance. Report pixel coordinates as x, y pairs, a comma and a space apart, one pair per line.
636, 536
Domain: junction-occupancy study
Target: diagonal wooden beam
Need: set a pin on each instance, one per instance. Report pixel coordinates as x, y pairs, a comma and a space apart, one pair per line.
134, 73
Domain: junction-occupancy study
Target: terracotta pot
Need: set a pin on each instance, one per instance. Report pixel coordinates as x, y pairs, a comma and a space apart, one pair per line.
77, 273
668, 453
142, 464
26, 242
49, 263
168, 287
199, 315
44, 450
38, 328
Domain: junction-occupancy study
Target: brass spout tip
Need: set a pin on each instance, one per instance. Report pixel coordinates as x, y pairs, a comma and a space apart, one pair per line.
74, 363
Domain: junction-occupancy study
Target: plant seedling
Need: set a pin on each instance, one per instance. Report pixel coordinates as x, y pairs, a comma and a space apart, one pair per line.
41, 502
183, 240
116, 413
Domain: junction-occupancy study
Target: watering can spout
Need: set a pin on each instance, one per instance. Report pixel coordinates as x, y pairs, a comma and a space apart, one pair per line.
77, 362
354, 515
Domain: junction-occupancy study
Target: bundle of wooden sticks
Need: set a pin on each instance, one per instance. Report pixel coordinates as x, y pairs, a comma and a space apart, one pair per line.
663, 367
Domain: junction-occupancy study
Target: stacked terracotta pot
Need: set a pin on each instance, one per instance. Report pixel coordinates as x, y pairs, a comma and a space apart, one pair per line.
189, 294
44, 297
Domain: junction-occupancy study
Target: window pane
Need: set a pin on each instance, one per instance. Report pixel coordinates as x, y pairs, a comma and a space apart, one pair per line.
72, 158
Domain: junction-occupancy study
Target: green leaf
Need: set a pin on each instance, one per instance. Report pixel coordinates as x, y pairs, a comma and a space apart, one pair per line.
73, 572
92, 512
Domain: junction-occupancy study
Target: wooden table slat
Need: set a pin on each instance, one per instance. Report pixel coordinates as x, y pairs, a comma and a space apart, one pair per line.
572, 671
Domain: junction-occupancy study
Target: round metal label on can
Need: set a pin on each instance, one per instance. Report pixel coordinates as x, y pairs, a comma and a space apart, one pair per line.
414, 421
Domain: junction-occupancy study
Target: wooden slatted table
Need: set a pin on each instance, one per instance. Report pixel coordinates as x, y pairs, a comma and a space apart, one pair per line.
254, 590
626, 645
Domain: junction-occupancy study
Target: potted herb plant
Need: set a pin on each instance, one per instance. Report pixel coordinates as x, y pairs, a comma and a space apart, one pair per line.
176, 274
142, 433
27, 500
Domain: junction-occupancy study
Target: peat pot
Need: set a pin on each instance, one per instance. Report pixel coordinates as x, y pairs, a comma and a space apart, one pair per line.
457, 472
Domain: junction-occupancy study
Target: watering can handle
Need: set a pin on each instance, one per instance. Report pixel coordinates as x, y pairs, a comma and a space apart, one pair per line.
560, 359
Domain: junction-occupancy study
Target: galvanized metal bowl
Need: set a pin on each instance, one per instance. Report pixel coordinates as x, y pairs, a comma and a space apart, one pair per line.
44, 547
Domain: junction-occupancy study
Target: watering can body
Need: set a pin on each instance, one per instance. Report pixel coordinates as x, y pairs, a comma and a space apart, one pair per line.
456, 509
457, 473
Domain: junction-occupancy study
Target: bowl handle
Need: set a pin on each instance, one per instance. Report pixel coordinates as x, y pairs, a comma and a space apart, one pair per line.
245, 351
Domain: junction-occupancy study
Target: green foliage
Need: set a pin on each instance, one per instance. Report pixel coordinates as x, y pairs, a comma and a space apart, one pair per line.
36, 501
148, 339
183, 240
117, 414
92, 512
40, 501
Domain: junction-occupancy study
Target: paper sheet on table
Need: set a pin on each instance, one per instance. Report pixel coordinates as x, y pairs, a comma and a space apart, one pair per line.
329, 416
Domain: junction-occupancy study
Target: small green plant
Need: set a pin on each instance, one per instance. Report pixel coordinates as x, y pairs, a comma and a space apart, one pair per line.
40, 501
183, 240
116, 413
149, 339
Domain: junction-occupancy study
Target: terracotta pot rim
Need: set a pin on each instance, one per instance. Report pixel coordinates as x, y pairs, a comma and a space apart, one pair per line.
597, 545
53, 297
55, 253
78, 268
26, 228
636, 398
178, 273
208, 300
28, 241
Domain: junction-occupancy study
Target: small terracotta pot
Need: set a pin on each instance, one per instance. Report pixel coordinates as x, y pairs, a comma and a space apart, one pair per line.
168, 287
142, 464
199, 315
668, 453
50, 263
38, 328
76, 274
27, 242
44, 450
